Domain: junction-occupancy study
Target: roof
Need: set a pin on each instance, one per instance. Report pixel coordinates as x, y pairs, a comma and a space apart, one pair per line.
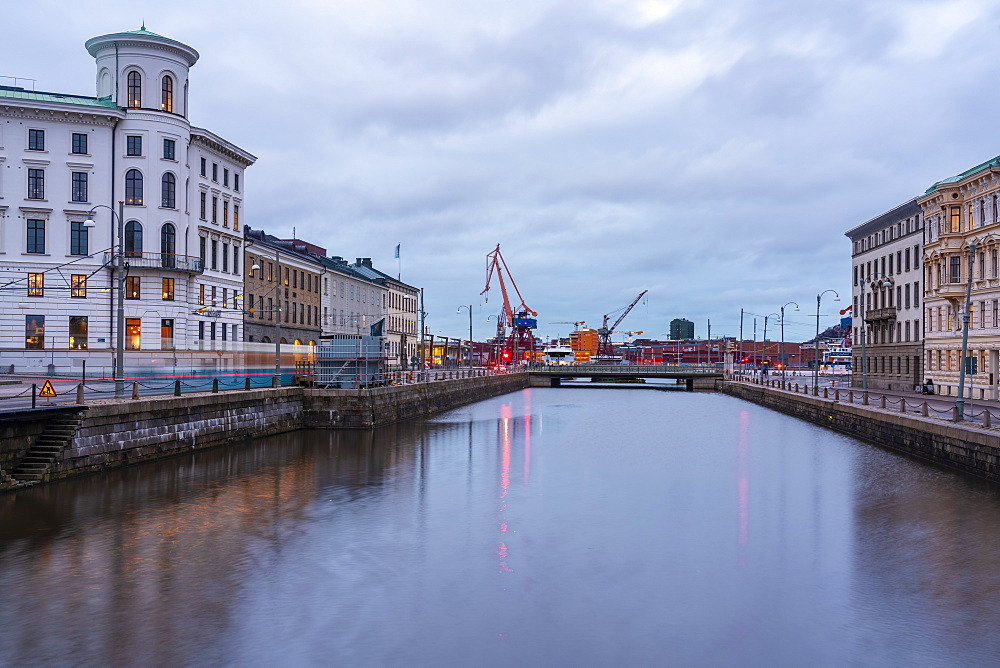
890, 217
16, 93
967, 173
142, 36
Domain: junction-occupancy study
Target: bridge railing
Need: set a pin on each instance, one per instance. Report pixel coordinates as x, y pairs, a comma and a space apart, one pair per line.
615, 369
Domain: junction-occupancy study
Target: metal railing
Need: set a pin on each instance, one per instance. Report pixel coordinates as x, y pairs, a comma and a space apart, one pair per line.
187, 263
631, 370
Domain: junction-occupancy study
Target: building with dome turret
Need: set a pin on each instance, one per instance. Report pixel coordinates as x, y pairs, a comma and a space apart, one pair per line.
70, 166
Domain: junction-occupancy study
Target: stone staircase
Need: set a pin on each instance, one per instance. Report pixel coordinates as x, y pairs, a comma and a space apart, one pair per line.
57, 435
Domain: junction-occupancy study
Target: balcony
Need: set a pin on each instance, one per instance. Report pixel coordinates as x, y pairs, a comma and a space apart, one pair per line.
947, 290
168, 261
880, 314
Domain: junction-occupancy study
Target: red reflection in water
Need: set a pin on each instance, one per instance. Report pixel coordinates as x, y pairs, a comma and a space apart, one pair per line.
504, 482
743, 484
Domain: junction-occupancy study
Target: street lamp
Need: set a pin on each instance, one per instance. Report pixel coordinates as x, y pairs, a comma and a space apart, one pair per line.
960, 399
119, 264
470, 330
764, 342
784, 360
819, 298
878, 280
276, 309
496, 338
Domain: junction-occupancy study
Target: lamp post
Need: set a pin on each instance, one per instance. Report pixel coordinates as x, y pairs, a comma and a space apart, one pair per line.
277, 309
119, 264
878, 280
960, 399
470, 330
819, 298
784, 360
764, 342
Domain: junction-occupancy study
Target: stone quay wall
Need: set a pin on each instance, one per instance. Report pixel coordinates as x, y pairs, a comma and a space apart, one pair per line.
960, 446
116, 433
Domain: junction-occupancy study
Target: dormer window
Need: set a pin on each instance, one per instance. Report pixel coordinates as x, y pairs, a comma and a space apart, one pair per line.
167, 93
134, 90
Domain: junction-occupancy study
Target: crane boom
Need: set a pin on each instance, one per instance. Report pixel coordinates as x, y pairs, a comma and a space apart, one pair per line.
520, 344
604, 348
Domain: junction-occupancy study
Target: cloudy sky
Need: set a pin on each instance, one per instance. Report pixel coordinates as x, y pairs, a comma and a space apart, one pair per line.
712, 152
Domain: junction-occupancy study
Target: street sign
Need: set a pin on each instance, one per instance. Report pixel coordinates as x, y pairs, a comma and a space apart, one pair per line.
47, 390
972, 365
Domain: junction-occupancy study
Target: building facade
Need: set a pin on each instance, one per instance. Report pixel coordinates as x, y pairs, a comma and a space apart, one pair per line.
681, 328
76, 169
960, 212
887, 292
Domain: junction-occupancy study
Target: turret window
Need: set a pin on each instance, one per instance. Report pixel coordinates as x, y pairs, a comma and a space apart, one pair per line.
133, 187
167, 93
134, 90
168, 187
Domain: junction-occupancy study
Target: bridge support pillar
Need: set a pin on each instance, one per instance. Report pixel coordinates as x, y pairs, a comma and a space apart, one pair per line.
555, 382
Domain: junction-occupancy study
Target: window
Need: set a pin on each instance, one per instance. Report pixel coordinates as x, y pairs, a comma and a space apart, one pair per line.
169, 149
78, 286
36, 184
295, 278
204, 205
168, 290
236, 259
78, 332
166, 334
260, 307
36, 285
203, 166
225, 297
133, 145
133, 239
215, 209
225, 257
36, 140
133, 187
956, 269
956, 219
286, 277
215, 254
916, 294
236, 216
236, 182
215, 171
225, 214
225, 177
34, 332
132, 287
270, 309
168, 246
36, 236
133, 331
270, 272
79, 238
167, 93
212, 330
168, 191
201, 294
201, 250
79, 187
201, 330
134, 90
79, 143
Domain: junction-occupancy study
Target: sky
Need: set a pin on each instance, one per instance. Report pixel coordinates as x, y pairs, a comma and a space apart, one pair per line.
711, 152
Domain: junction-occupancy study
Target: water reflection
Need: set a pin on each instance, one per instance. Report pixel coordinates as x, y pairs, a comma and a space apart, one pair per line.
547, 527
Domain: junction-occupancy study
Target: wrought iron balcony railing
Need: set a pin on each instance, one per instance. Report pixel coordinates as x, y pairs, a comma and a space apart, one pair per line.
170, 261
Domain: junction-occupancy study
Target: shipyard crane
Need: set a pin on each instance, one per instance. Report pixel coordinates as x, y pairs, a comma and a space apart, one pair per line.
520, 343
604, 348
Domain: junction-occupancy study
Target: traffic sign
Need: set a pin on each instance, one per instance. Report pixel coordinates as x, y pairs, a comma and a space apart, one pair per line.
47, 390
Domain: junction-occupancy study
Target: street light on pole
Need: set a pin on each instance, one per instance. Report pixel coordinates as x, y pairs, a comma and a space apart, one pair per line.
960, 399
470, 330
784, 360
819, 298
119, 264
277, 309
764, 342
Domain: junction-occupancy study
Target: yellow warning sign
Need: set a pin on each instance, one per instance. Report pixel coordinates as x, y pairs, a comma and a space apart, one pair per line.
47, 390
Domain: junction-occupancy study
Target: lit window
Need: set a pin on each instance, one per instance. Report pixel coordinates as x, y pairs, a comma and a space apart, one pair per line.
78, 286
132, 287
78, 332
167, 93
133, 331
236, 216
34, 332
36, 285
133, 187
134, 90
168, 289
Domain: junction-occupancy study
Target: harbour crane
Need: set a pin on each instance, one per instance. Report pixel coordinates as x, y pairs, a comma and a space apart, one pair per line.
604, 348
520, 343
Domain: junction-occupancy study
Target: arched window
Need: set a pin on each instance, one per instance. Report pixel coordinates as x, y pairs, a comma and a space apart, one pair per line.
133, 187
133, 239
134, 90
168, 191
168, 245
167, 93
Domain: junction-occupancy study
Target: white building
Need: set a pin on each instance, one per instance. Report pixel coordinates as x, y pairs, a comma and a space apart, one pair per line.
354, 298
65, 159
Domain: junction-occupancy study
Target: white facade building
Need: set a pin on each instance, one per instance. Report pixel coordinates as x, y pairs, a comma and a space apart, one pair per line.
65, 159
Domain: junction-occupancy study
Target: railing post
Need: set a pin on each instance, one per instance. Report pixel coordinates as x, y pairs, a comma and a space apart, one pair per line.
215, 385
79, 394
135, 389
864, 398
954, 414
850, 396
34, 394
987, 418
923, 409
836, 394
881, 402
826, 395
902, 404
275, 380
177, 387
246, 385
815, 390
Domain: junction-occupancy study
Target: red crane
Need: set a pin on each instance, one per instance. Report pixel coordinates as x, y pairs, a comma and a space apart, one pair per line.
604, 348
520, 344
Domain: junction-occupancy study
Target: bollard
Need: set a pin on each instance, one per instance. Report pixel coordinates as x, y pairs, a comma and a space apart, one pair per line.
923, 409
177, 387
881, 402
864, 398
246, 385
987, 419
796, 388
135, 389
815, 390
275, 380
34, 394
850, 396
215, 385
79, 394
954, 414
836, 395
902, 404
825, 393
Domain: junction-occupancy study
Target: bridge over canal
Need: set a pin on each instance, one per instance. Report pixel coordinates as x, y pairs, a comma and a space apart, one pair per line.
694, 377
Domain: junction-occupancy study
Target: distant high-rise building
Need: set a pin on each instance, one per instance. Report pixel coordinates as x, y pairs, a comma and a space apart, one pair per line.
681, 328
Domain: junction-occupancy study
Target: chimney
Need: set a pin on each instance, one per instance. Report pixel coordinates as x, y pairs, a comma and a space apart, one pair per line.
367, 261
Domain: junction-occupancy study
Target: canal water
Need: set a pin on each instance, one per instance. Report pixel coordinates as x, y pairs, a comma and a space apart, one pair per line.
550, 527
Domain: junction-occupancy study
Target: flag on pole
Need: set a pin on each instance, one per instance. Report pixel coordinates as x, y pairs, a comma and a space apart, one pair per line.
397, 250
376, 329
